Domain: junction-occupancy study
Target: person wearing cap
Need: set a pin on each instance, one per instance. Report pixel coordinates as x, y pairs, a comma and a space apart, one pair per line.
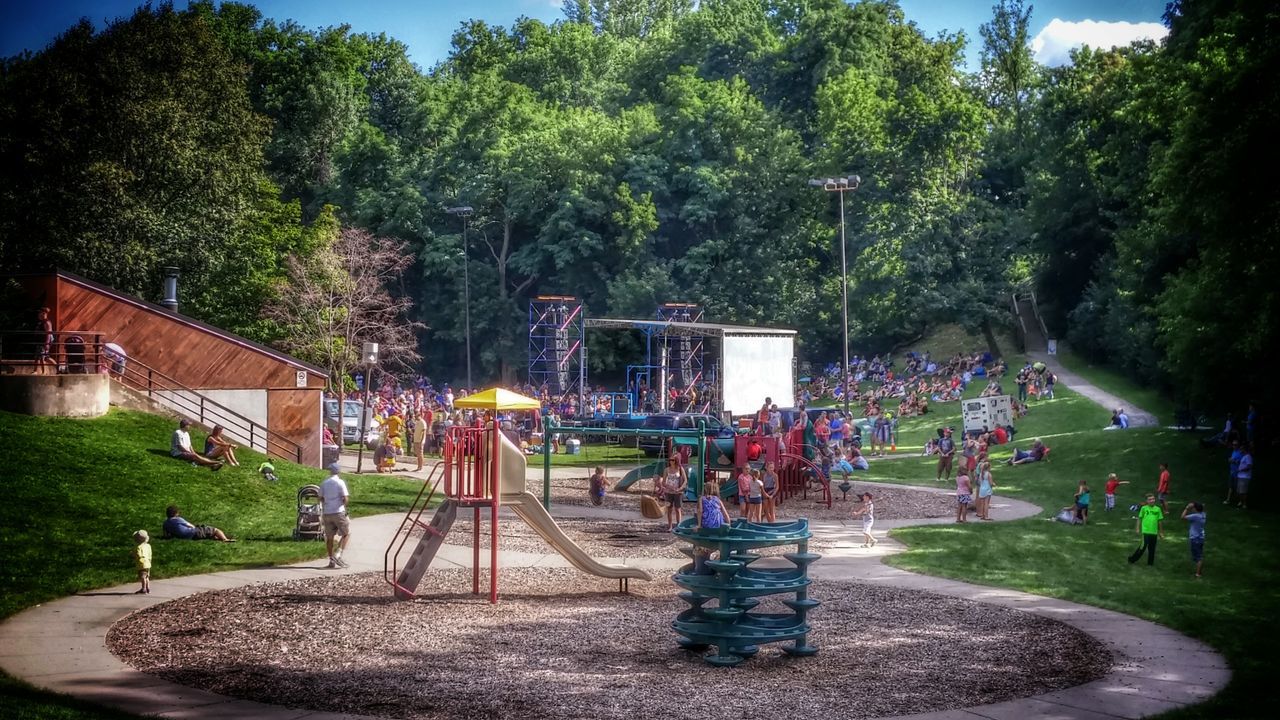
180, 447
334, 497
142, 558
946, 451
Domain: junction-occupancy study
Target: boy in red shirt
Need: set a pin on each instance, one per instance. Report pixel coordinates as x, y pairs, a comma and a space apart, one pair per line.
1162, 488
1112, 483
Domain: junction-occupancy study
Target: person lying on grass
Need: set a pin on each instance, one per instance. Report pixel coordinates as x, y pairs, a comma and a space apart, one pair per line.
177, 526
1036, 454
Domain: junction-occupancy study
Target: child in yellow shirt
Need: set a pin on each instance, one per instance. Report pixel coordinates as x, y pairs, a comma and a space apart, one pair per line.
142, 557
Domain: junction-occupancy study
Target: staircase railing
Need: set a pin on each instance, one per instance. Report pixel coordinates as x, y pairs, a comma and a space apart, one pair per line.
87, 352
1035, 310
412, 519
1022, 324
206, 411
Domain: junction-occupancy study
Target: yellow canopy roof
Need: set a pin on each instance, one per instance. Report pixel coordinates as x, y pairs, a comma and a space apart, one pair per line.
497, 399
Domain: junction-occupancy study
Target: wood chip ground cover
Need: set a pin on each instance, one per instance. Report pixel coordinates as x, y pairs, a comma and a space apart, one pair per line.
565, 645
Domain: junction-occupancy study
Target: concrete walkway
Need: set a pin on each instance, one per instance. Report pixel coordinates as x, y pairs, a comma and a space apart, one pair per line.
61, 646
1137, 416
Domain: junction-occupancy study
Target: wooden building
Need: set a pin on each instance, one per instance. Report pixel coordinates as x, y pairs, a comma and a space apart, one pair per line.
188, 364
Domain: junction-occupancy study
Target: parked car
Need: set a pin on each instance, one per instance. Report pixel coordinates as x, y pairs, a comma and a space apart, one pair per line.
350, 421
653, 445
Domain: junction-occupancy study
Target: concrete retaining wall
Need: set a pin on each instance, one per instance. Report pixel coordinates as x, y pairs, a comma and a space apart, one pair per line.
56, 395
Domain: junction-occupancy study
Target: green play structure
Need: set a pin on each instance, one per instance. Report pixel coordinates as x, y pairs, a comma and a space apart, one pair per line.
697, 438
730, 625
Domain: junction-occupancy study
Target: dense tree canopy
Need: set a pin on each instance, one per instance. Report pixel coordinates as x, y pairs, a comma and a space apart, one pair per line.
642, 151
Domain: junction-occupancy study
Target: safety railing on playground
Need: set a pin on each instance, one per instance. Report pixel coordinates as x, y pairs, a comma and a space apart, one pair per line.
467, 475
795, 474
412, 520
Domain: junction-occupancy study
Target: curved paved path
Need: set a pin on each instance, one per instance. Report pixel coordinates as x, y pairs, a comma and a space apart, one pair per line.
61, 645
1137, 416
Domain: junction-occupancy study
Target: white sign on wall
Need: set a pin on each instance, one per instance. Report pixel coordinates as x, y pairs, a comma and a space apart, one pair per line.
301, 380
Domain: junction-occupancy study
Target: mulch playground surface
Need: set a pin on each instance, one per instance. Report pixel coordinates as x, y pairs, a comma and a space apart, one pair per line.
565, 645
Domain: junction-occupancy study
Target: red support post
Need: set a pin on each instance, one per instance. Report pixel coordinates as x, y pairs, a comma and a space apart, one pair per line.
494, 492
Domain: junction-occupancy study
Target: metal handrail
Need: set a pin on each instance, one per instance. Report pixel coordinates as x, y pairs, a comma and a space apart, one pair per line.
147, 379
1035, 310
1022, 324
60, 349
412, 519
82, 352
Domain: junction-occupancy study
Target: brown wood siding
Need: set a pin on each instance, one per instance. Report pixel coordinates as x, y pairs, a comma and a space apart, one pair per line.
194, 356
295, 414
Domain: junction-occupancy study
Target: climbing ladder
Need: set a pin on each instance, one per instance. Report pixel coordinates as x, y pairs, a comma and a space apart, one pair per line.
405, 579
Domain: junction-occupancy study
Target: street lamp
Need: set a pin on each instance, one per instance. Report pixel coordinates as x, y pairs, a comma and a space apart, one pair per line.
464, 212
842, 185
369, 358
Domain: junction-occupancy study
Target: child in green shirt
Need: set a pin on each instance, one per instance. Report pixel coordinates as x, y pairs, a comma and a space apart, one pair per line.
1151, 527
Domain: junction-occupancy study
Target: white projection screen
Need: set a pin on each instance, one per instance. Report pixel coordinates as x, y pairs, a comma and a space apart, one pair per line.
756, 367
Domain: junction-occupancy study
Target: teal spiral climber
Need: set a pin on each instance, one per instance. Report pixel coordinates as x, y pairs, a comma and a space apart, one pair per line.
722, 590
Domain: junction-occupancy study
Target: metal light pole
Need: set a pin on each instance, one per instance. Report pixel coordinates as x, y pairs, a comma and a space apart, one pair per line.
842, 185
464, 212
369, 356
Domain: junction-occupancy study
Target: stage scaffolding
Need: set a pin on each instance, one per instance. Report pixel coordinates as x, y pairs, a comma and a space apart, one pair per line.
557, 346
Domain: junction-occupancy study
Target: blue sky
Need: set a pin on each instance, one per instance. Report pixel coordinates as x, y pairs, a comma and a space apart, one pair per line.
425, 25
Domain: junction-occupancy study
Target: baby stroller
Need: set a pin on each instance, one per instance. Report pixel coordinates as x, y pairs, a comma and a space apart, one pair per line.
309, 526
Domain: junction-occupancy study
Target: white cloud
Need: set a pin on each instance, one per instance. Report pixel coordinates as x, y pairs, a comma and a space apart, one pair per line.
1053, 45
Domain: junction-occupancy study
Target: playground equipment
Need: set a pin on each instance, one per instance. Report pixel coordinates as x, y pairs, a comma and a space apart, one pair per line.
482, 469
731, 625
309, 526
795, 472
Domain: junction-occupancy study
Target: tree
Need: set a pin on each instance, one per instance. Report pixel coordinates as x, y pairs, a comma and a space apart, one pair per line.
339, 298
131, 149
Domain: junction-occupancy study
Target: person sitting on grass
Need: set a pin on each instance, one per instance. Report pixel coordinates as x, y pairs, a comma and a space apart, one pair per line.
1036, 454
217, 447
176, 526
180, 447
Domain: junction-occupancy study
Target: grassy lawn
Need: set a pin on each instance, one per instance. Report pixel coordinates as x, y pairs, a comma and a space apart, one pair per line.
119, 479
78, 489
1149, 399
1230, 608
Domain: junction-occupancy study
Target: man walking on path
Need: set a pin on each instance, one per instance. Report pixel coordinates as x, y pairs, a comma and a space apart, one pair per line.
1150, 527
334, 496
